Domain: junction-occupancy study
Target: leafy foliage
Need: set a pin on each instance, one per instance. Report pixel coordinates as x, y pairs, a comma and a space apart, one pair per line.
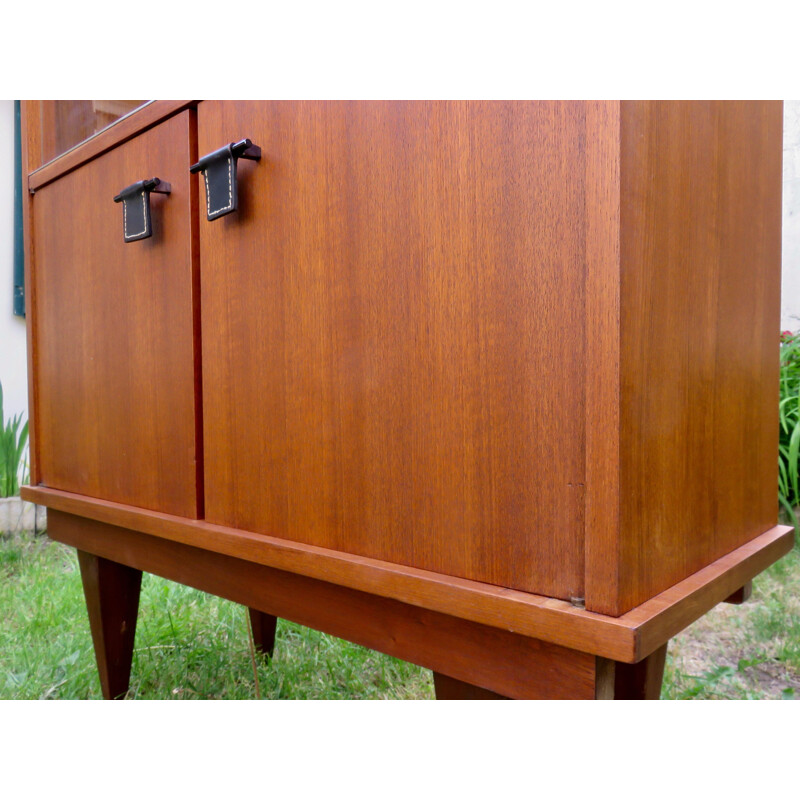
789, 444
13, 438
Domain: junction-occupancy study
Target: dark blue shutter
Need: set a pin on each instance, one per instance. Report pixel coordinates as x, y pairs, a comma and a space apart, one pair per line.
19, 253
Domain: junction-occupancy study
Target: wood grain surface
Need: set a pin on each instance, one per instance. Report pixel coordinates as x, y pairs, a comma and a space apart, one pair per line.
448, 688
628, 638
602, 493
393, 334
146, 117
493, 659
447, 348
700, 252
114, 358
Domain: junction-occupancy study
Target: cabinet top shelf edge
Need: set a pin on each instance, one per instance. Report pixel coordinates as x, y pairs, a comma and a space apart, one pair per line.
120, 131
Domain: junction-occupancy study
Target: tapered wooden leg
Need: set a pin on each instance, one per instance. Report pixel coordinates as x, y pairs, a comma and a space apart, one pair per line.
640, 681
112, 600
741, 595
263, 626
448, 688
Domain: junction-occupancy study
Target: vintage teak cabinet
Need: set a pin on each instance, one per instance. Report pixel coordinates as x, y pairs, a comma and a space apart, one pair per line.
488, 386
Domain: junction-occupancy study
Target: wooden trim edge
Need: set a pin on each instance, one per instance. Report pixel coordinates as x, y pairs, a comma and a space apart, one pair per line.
628, 638
657, 620
490, 658
602, 563
126, 128
549, 619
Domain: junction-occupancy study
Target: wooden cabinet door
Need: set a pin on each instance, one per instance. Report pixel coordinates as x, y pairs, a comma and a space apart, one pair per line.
114, 330
393, 352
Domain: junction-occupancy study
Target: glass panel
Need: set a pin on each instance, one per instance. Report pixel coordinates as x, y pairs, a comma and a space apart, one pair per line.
66, 123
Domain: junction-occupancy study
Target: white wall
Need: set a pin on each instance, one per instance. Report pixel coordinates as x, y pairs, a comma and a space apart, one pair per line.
790, 284
790, 288
13, 364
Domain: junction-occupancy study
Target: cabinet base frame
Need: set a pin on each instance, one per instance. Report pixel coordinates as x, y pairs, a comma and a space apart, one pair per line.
628, 638
484, 658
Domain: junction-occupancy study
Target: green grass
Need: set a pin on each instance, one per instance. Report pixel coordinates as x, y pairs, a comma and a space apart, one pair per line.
190, 645
750, 651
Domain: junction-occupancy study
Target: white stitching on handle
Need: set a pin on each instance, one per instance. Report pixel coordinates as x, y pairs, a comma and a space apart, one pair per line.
125, 218
209, 212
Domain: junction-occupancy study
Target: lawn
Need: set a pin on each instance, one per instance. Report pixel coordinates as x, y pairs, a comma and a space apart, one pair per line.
190, 645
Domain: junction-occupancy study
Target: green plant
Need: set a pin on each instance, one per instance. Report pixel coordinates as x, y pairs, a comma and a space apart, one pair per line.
13, 438
789, 444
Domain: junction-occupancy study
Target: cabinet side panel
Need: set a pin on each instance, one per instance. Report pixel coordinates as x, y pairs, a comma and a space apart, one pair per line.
393, 346
602, 369
700, 294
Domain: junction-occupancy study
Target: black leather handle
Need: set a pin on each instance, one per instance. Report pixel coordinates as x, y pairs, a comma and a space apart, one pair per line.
219, 172
136, 220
